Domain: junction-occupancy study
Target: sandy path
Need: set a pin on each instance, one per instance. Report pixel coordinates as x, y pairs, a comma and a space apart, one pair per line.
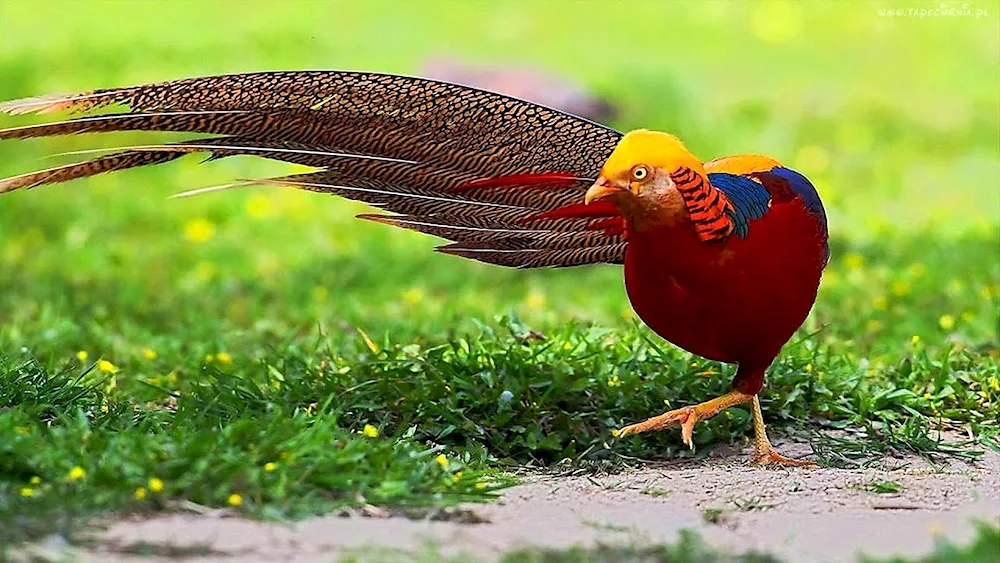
802, 515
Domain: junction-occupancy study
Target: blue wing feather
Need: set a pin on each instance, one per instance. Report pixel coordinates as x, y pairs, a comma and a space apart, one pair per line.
749, 198
752, 199
804, 189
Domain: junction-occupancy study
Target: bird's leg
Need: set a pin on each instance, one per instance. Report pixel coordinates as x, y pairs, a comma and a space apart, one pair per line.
686, 417
763, 451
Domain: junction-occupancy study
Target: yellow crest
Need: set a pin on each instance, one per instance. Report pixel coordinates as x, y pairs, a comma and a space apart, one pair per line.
652, 148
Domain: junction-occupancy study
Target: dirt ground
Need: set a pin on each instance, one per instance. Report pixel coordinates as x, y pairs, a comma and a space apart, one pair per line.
802, 515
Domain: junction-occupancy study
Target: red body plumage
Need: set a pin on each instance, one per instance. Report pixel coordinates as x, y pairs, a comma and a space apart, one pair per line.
737, 301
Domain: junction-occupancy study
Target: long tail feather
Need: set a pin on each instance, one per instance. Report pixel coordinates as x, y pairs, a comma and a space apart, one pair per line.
108, 163
539, 257
228, 148
219, 188
498, 175
45, 104
550, 179
162, 121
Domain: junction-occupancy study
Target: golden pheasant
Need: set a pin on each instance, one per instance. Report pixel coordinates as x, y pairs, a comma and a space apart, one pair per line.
722, 258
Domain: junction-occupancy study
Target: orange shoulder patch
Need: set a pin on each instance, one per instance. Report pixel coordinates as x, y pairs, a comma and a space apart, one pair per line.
741, 164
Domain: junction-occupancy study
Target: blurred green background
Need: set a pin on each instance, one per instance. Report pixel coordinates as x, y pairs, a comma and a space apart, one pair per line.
894, 118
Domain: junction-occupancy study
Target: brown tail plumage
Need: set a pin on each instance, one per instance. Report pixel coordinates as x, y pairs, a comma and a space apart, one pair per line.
463, 164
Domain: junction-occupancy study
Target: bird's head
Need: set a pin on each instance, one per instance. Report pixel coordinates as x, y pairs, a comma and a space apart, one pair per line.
636, 178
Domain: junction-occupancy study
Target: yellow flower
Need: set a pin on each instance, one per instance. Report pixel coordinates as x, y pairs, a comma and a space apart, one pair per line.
995, 384
413, 296
104, 409
105, 366
82, 355
614, 382
199, 230
224, 358
27, 492
149, 353
234, 500
927, 396
854, 260
480, 485
947, 322
441, 460
880, 303
456, 477
155, 484
567, 345
139, 493
915, 339
76, 473
270, 466
809, 368
36, 480
370, 431
900, 288
535, 299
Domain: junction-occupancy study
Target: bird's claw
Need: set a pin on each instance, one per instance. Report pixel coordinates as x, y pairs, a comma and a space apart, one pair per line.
769, 458
686, 417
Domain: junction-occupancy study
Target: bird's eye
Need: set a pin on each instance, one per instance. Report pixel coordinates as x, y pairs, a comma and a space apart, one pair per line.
640, 173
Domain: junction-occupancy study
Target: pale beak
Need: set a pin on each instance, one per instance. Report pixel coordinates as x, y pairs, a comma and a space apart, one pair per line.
601, 189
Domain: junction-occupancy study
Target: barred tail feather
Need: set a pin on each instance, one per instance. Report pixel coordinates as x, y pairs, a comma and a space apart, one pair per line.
499, 177
107, 163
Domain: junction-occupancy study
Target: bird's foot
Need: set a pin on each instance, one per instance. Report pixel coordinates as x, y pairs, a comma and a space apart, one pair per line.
767, 457
686, 417
763, 452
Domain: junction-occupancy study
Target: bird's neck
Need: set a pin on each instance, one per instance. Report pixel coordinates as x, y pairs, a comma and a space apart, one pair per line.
707, 206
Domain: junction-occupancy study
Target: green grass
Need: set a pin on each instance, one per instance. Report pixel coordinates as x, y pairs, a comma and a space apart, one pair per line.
983, 549
689, 548
883, 487
235, 323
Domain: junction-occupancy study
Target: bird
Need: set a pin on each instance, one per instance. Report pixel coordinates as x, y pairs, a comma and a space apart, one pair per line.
722, 258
